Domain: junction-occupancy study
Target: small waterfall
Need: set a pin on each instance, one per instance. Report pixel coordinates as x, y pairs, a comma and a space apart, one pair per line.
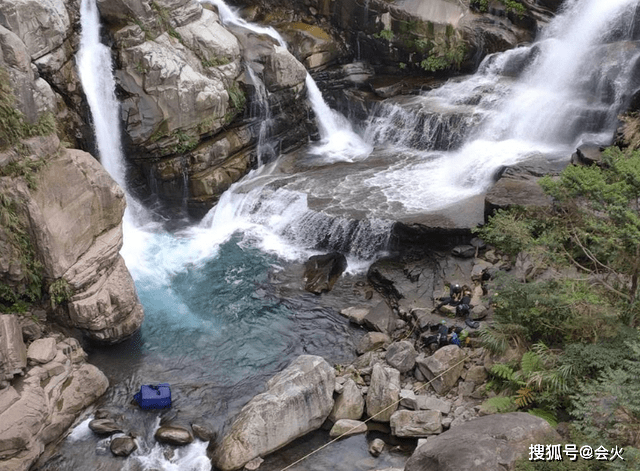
260, 109
96, 75
338, 141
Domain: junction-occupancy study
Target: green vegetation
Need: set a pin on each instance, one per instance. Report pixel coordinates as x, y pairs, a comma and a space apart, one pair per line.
186, 142
577, 330
17, 296
214, 62
60, 291
384, 34
165, 21
511, 6
237, 96
13, 124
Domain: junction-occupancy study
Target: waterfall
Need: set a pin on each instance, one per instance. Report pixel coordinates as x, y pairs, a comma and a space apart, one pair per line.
96, 75
261, 110
541, 100
338, 140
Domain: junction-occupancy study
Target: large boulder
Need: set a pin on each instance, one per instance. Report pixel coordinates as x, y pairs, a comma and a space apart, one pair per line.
282, 70
297, 401
384, 392
349, 404
402, 356
407, 423
444, 367
43, 407
42, 350
381, 318
493, 442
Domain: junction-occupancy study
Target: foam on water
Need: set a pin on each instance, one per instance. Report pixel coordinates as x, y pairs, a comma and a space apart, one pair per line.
81, 431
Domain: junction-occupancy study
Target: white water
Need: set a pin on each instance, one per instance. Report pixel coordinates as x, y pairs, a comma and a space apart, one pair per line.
338, 140
544, 113
96, 74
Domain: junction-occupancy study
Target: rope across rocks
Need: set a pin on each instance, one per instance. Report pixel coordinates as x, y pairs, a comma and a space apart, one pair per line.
370, 418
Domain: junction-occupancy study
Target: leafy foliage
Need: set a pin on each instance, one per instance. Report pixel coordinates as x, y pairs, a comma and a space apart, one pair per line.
384, 34
60, 291
237, 96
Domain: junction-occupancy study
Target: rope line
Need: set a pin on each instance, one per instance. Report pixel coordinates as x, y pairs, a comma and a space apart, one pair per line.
370, 418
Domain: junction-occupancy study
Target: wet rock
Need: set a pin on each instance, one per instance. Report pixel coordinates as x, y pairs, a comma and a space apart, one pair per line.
13, 352
520, 189
448, 361
203, 433
282, 70
347, 427
104, 426
349, 404
376, 447
464, 251
492, 442
405, 423
173, 435
355, 314
322, 271
587, 155
297, 401
42, 350
372, 341
402, 356
380, 318
384, 392
123, 446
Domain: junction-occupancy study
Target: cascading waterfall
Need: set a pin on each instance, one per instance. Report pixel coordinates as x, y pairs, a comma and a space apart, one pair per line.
261, 110
560, 100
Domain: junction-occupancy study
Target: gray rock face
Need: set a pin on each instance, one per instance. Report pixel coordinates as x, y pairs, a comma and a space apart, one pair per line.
489, 443
349, 404
42, 351
433, 403
173, 435
13, 353
372, 341
45, 405
402, 356
297, 401
347, 427
380, 318
406, 423
448, 362
384, 391
282, 70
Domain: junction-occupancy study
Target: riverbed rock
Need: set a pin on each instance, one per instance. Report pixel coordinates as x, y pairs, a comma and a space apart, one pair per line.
13, 353
376, 447
282, 70
297, 401
355, 314
42, 350
402, 356
173, 435
123, 446
380, 318
322, 271
372, 341
349, 404
425, 402
46, 404
406, 423
448, 361
104, 426
347, 427
493, 442
384, 392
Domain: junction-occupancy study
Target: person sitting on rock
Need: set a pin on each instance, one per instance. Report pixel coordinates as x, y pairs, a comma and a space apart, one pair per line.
454, 298
443, 333
463, 309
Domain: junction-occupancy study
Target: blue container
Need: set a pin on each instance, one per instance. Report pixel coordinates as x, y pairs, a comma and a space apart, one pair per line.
154, 397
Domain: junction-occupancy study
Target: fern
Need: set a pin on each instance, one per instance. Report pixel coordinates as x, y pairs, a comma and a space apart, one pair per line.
530, 363
503, 371
524, 397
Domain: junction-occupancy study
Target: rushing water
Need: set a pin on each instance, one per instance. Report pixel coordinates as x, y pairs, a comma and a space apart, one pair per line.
223, 312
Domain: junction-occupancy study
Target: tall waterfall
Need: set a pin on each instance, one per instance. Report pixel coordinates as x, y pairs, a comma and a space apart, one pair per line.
96, 75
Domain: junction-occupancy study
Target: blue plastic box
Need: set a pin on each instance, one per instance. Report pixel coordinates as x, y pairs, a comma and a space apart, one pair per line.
154, 397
